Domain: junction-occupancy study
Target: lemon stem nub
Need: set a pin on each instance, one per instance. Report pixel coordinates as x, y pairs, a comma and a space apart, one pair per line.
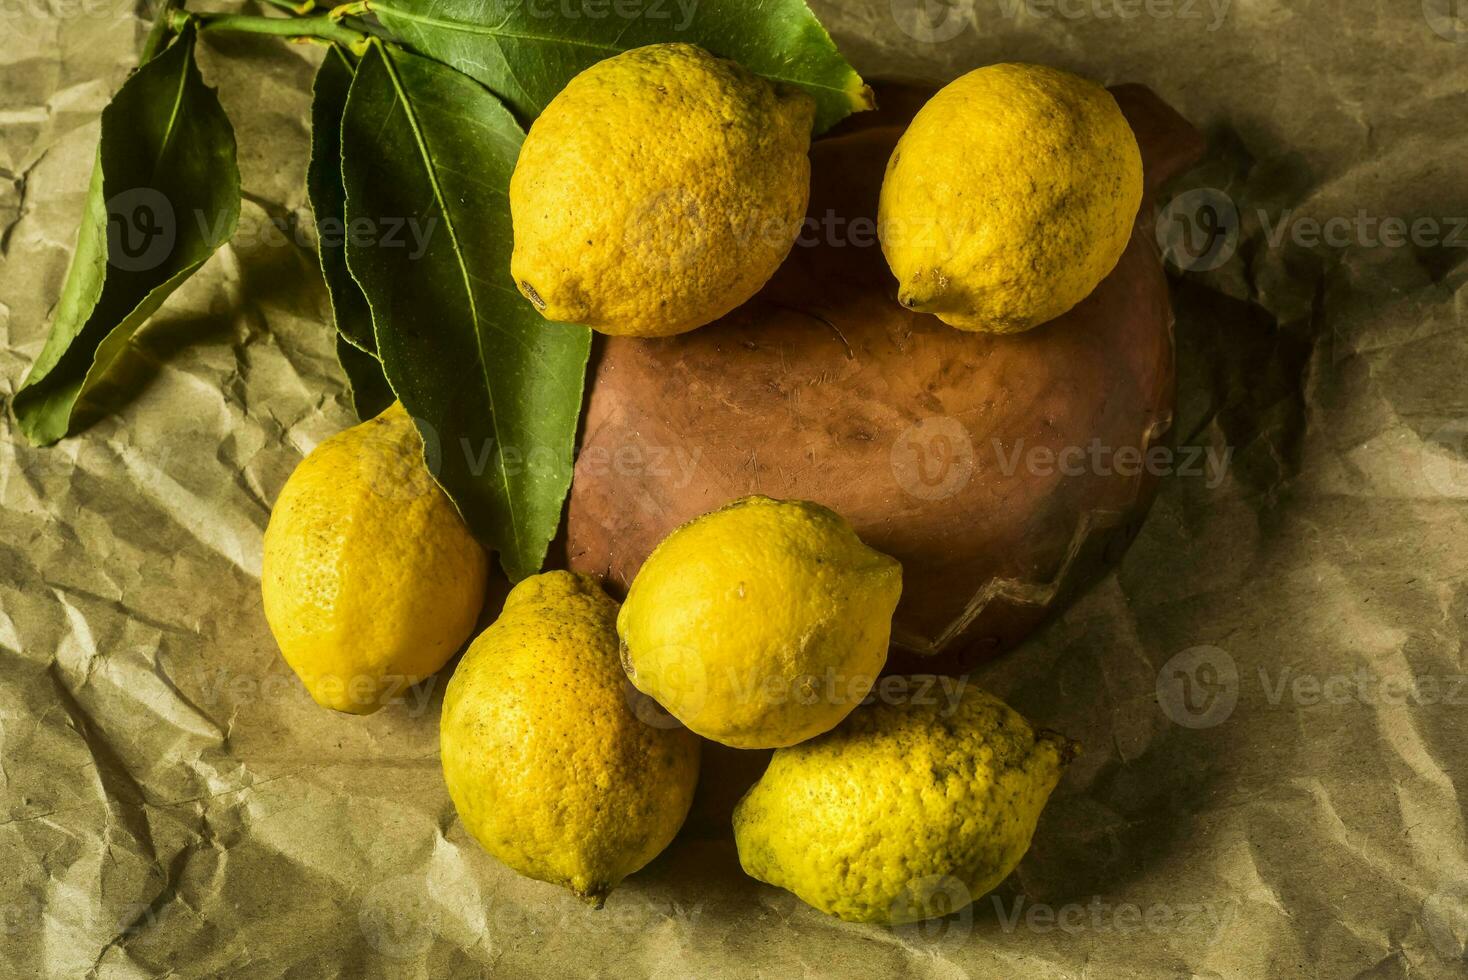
595, 898
918, 294
1069, 748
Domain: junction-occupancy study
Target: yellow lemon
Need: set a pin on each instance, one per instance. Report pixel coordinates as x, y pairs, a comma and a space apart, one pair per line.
658, 191
545, 756
370, 579
1009, 198
760, 624
904, 812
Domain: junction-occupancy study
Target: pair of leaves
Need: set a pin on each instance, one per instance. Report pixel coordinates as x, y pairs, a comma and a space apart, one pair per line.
401, 141
495, 389
164, 194
356, 346
526, 51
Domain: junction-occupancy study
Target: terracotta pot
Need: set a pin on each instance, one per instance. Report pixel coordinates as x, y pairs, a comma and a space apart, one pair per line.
988, 465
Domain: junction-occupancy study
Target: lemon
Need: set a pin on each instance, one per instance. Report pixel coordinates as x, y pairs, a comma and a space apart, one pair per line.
760, 624
547, 762
1009, 198
906, 811
658, 191
370, 579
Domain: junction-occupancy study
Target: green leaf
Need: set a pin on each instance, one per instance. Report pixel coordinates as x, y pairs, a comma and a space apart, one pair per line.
356, 348
370, 391
165, 193
527, 50
495, 389
329, 198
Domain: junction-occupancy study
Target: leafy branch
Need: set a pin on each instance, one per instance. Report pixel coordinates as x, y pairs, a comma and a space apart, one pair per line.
416, 117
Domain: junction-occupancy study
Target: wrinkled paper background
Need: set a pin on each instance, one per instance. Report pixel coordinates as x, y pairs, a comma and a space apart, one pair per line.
1271, 690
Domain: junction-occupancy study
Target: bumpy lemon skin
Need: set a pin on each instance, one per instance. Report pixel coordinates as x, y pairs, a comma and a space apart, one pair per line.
370, 579
904, 812
547, 763
658, 191
1010, 196
761, 624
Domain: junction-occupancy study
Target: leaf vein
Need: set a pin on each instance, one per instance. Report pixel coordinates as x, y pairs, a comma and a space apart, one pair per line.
451, 24
497, 32
431, 167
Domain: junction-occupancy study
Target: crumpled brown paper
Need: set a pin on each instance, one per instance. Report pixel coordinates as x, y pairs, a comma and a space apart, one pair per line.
1271, 691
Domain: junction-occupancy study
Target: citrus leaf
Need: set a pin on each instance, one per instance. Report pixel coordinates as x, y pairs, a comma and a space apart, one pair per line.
356, 348
164, 194
527, 50
495, 389
369, 388
329, 199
